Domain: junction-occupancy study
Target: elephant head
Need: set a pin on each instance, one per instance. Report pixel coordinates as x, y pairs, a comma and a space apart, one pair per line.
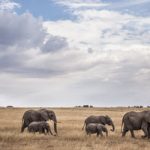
49, 114
110, 122
52, 116
147, 116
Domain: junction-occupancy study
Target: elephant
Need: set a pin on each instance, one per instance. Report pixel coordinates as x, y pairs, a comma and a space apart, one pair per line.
99, 119
39, 126
38, 115
92, 128
136, 121
148, 129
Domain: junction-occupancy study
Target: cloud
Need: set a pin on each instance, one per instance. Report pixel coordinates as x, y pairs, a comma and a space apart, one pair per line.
81, 4
8, 5
20, 30
54, 44
22, 39
136, 7
128, 3
113, 41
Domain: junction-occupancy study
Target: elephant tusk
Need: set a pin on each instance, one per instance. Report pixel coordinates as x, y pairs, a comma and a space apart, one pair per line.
59, 122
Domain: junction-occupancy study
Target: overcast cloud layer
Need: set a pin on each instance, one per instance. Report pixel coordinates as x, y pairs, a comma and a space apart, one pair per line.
99, 57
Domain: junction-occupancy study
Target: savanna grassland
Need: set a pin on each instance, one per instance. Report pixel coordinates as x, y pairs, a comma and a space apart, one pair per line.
71, 136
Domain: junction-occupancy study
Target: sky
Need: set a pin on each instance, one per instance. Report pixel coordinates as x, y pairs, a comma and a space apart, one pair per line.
73, 52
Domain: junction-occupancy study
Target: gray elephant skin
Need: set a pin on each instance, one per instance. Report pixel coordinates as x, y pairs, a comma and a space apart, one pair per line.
136, 121
92, 128
99, 119
40, 126
38, 115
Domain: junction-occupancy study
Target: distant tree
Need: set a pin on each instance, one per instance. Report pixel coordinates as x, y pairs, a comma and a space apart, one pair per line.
86, 106
10, 107
78, 106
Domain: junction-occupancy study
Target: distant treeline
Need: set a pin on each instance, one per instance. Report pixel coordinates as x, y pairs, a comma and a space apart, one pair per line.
91, 106
86, 106
136, 106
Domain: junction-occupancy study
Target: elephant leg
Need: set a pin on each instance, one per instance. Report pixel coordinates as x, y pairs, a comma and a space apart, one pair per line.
45, 132
148, 134
32, 130
50, 132
101, 133
23, 127
41, 131
148, 129
132, 133
124, 132
97, 134
106, 133
144, 127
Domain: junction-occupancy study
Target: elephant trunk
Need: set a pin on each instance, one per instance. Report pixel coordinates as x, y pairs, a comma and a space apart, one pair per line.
55, 124
113, 127
106, 133
55, 127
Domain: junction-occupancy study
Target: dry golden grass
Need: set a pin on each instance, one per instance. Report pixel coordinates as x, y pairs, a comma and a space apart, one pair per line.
71, 136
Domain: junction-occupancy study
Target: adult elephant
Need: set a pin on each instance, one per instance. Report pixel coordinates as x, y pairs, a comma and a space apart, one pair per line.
38, 115
136, 121
99, 119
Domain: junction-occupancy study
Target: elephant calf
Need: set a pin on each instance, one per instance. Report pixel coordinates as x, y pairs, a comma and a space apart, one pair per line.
100, 120
92, 128
40, 126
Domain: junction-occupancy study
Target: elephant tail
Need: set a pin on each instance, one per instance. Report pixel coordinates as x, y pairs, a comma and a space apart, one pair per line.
122, 123
22, 120
83, 126
22, 127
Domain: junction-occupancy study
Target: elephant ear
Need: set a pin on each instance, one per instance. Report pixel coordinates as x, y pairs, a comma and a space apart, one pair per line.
44, 116
147, 117
102, 120
107, 117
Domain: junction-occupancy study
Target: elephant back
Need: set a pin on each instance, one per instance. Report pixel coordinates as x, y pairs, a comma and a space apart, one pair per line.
92, 119
31, 115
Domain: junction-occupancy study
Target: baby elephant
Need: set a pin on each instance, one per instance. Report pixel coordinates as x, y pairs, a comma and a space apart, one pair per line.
92, 128
40, 126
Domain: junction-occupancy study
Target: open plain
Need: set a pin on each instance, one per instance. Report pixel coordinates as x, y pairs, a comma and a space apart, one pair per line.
71, 136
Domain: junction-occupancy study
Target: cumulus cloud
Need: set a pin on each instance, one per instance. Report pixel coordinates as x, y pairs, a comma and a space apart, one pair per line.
54, 44
8, 5
120, 51
22, 39
21, 30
